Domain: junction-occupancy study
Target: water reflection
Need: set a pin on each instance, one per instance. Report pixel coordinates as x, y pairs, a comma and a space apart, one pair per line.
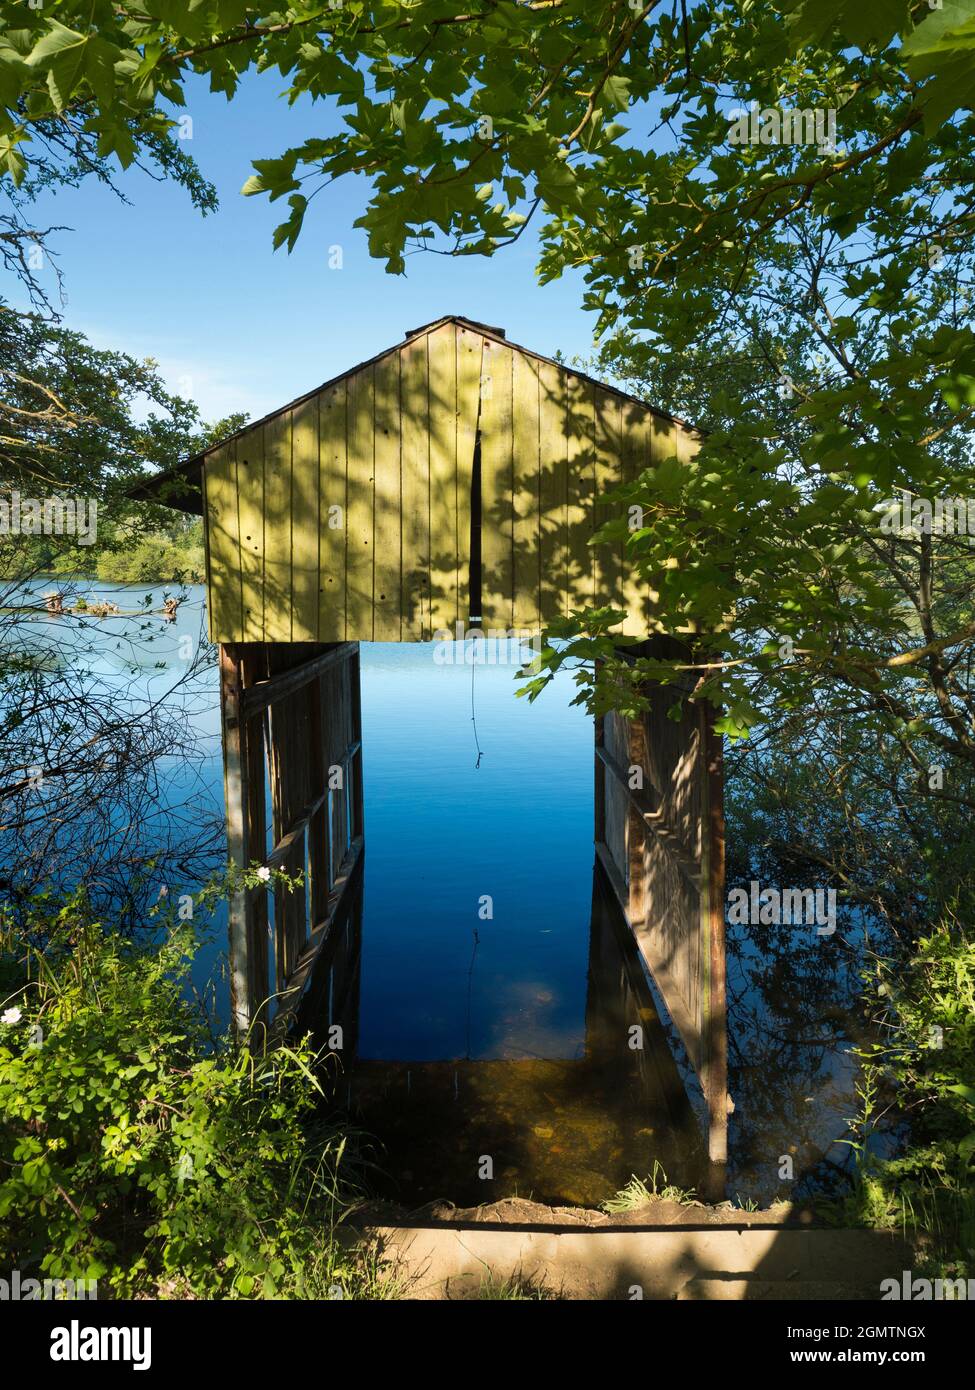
560, 1130
513, 1043
571, 1128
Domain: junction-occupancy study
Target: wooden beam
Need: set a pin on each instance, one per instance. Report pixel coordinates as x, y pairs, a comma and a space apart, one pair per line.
255, 738
316, 945
599, 804
258, 696
636, 827
358, 803
235, 796
287, 841
654, 820
713, 839
662, 976
616, 880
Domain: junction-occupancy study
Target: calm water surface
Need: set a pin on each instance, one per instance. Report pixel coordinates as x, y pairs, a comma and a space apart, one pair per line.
503, 1033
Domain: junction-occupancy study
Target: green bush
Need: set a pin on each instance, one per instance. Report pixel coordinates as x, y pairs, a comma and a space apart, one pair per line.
923, 1069
136, 1150
154, 557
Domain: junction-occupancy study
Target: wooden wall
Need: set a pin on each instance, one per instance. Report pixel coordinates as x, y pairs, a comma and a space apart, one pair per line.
292, 748
348, 515
660, 838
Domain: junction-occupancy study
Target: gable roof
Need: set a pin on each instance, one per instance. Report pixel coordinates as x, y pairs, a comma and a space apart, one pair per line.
181, 485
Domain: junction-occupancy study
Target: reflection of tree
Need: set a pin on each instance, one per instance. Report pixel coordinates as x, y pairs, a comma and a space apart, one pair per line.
792, 1012
100, 766
102, 772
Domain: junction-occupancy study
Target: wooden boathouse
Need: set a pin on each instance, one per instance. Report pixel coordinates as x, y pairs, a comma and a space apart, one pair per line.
454, 479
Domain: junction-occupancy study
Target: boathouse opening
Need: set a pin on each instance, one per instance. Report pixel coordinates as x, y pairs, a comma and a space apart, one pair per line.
453, 480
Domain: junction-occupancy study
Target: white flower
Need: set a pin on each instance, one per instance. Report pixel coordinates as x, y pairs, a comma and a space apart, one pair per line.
264, 873
164, 891
11, 1016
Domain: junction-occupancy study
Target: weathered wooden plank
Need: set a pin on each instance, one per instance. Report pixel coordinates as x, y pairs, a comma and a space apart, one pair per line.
526, 493
650, 809
242, 1003
415, 434
334, 511
599, 787
278, 513
636, 828
225, 609
715, 998
276, 753
256, 849
338, 734
673, 892
637, 433
299, 793
355, 733
306, 520
250, 505
259, 695
581, 474
388, 529
553, 491
319, 945
613, 755
445, 540
497, 486
616, 879
395, 449
664, 439
470, 353
283, 851
608, 442
360, 437
326, 686
291, 762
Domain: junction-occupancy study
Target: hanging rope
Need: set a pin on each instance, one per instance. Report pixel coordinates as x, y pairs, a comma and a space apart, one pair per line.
480, 751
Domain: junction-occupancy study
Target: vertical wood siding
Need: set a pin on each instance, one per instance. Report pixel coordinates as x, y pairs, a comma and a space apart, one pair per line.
347, 516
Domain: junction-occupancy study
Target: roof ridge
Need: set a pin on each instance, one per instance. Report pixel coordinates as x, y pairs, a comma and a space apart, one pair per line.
497, 334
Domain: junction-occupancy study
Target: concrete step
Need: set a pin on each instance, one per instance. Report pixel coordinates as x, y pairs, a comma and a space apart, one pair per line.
447, 1260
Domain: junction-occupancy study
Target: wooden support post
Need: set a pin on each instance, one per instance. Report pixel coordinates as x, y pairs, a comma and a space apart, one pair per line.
713, 902
290, 711
358, 803
599, 794
243, 770
636, 830
255, 735
319, 867
662, 847
235, 784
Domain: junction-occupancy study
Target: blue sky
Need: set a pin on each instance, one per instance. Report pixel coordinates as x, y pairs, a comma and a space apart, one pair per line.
237, 326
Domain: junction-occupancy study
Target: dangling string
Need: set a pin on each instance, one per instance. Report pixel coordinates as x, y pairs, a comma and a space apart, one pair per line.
480, 752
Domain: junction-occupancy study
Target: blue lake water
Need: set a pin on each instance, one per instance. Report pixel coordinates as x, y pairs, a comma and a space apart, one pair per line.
443, 830
499, 1033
